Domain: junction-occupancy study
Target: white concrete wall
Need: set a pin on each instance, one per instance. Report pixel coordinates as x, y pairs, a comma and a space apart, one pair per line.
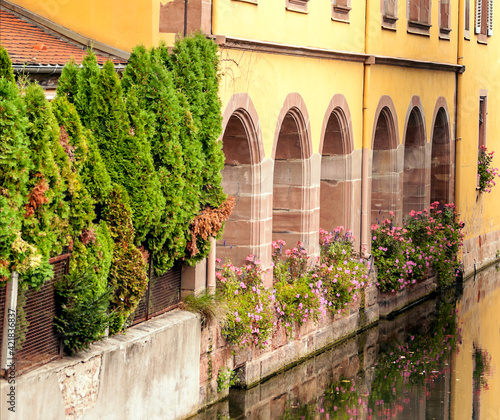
151, 372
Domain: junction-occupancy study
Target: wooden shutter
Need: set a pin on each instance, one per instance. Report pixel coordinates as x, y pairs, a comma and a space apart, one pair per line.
490, 17
390, 8
425, 11
445, 14
414, 6
479, 11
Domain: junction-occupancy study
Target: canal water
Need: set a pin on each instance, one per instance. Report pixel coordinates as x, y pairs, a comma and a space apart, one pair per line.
434, 361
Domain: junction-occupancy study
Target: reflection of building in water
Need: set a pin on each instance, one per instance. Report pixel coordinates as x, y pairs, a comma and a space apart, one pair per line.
358, 376
475, 387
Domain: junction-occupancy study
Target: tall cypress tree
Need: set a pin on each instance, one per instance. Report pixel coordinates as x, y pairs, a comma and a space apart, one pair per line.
127, 276
6, 66
67, 85
194, 63
15, 166
46, 215
86, 82
126, 151
150, 82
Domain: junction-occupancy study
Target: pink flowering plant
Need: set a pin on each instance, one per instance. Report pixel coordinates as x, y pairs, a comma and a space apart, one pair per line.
300, 293
342, 273
485, 172
250, 305
428, 241
297, 297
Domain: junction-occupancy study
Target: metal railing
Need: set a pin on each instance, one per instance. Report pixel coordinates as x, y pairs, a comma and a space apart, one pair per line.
162, 294
36, 340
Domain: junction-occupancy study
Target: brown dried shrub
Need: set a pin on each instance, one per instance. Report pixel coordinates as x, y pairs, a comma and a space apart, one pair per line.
36, 197
87, 236
64, 142
209, 223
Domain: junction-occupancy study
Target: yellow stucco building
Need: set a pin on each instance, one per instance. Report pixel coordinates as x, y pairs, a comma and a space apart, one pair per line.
335, 112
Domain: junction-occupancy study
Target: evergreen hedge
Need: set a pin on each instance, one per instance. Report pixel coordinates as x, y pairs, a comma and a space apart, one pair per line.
113, 171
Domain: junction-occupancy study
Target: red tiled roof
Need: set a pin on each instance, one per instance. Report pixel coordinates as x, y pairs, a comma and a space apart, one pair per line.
29, 44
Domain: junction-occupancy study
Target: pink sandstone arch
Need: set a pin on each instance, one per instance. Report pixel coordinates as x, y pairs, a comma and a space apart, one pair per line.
336, 183
294, 207
384, 175
442, 165
416, 178
241, 178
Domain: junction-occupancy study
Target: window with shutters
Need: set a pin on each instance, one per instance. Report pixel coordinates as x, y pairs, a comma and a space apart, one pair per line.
389, 14
483, 22
419, 16
297, 5
340, 10
483, 113
444, 19
467, 20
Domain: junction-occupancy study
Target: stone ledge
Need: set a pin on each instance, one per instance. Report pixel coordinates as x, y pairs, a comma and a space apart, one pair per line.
390, 303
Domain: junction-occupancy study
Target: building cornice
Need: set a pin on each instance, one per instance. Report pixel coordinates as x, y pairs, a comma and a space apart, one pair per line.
321, 53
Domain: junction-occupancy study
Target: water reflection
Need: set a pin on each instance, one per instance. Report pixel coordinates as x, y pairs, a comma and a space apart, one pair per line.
435, 361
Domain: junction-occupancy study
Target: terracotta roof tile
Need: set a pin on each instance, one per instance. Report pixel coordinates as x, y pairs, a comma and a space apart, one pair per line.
29, 44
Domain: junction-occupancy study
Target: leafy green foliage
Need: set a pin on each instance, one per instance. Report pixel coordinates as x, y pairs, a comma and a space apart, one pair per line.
82, 316
82, 150
208, 305
127, 277
46, 215
126, 151
6, 66
67, 85
14, 172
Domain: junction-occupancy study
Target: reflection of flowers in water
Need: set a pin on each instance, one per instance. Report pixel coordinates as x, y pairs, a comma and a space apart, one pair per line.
482, 369
402, 372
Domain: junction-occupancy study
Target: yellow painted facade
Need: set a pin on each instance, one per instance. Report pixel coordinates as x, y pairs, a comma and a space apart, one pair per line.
270, 51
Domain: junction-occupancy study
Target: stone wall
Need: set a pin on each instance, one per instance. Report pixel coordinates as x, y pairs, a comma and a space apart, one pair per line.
150, 372
168, 367
480, 252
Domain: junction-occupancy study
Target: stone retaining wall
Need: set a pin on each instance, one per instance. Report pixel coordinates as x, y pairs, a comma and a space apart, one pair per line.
168, 367
389, 303
151, 372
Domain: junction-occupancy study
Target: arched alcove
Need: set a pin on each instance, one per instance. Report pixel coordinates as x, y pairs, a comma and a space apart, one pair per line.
441, 159
414, 185
289, 180
335, 187
384, 176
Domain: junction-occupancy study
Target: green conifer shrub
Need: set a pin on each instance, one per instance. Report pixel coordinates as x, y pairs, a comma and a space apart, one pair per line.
6, 66
194, 63
67, 85
45, 222
150, 82
127, 277
81, 146
126, 151
15, 166
82, 316
86, 81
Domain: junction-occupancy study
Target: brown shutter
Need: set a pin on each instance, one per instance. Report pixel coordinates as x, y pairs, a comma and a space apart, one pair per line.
425, 11
415, 10
445, 14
